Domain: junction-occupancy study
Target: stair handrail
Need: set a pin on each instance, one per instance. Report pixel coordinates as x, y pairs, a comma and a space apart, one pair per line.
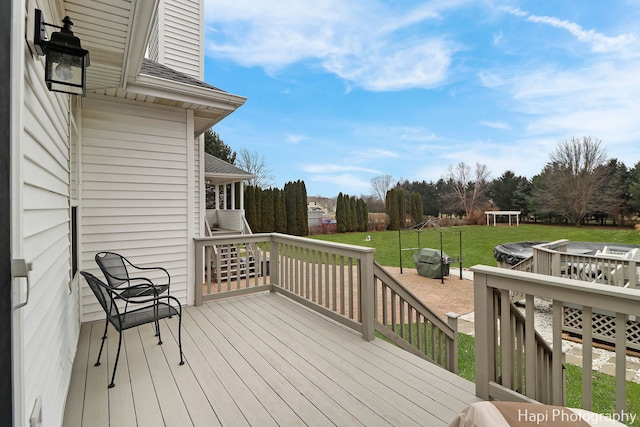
445, 356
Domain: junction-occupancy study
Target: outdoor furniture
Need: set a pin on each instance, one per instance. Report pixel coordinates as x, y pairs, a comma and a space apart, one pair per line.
116, 270
150, 310
123, 274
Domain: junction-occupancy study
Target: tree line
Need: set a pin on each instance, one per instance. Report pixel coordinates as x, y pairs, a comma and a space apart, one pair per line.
578, 185
277, 210
351, 214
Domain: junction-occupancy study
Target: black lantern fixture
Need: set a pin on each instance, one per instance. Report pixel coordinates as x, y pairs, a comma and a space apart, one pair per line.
66, 61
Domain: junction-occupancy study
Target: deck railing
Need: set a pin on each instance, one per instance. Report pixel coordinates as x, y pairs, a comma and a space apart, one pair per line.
608, 269
494, 347
340, 281
404, 319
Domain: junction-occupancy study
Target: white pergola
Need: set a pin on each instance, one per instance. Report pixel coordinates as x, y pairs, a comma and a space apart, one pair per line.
509, 213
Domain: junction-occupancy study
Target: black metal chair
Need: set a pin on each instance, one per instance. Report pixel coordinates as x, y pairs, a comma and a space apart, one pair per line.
152, 309
116, 268
123, 274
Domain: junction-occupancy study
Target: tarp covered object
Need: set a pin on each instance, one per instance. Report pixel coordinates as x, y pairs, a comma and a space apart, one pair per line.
430, 264
514, 252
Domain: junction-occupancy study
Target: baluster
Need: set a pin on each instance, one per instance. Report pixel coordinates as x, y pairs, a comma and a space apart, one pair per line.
587, 357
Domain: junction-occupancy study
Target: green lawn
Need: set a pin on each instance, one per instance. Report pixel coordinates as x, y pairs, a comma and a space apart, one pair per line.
477, 241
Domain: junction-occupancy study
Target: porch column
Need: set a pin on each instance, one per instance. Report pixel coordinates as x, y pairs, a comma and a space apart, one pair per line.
233, 196
241, 195
224, 198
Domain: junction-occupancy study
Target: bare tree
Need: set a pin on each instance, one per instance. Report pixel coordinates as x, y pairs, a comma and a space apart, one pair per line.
469, 185
575, 181
380, 185
254, 163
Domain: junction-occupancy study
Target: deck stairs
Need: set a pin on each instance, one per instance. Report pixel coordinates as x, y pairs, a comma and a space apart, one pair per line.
232, 262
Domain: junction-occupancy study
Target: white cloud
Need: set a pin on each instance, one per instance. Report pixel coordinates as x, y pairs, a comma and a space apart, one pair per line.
363, 42
595, 96
598, 42
293, 138
376, 153
496, 125
333, 168
345, 183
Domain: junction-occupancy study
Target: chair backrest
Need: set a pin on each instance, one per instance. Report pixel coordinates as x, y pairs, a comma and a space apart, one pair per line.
103, 293
113, 267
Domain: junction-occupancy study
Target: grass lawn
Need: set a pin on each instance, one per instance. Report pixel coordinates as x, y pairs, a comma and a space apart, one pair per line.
478, 241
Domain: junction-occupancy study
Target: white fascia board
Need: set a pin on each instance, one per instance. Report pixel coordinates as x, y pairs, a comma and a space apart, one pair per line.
139, 32
227, 176
163, 88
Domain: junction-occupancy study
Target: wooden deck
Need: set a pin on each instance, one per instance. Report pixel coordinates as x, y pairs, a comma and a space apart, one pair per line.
258, 360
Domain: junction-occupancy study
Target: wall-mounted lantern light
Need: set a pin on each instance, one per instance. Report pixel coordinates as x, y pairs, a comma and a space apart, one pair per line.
66, 61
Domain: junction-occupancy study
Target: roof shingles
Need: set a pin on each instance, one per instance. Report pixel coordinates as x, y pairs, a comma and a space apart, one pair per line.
216, 166
154, 69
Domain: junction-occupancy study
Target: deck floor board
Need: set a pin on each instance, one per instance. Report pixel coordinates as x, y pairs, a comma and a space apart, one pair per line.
258, 359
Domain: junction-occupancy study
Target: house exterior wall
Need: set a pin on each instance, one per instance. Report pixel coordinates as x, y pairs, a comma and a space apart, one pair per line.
153, 48
135, 182
48, 326
178, 39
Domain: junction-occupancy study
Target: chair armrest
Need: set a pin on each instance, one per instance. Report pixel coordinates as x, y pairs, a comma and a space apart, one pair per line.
149, 269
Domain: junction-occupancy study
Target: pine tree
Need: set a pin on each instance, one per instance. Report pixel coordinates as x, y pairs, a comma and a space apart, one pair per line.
251, 207
348, 225
363, 215
259, 215
217, 148
267, 211
279, 211
301, 203
402, 211
291, 208
340, 211
416, 208
391, 205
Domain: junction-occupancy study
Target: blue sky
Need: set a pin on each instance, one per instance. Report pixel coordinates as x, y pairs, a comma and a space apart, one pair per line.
341, 91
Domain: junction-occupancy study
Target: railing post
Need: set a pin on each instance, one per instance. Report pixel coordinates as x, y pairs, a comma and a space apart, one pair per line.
452, 350
482, 298
367, 296
274, 262
199, 276
555, 264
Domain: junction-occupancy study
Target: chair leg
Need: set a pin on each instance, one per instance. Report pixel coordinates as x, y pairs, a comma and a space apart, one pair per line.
180, 338
104, 337
157, 323
115, 365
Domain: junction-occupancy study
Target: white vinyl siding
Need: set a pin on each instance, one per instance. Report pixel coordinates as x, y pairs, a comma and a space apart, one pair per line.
182, 42
153, 49
134, 189
50, 319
